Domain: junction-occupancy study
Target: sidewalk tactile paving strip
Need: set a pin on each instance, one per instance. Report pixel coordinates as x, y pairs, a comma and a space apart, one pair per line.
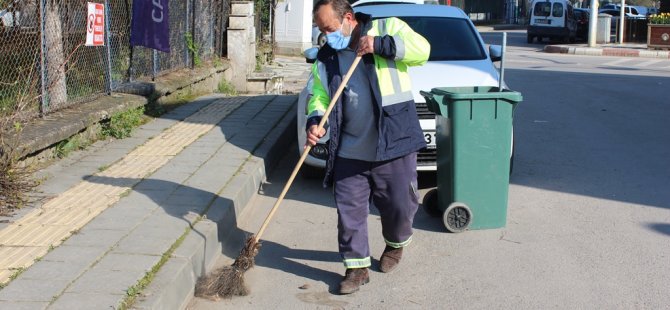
30, 237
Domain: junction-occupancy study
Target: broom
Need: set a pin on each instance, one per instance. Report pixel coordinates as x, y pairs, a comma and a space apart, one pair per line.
228, 281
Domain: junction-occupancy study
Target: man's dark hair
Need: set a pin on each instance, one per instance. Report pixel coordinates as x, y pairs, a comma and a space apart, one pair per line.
340, 7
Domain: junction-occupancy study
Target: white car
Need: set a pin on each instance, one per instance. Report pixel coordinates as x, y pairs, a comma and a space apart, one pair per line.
458, 57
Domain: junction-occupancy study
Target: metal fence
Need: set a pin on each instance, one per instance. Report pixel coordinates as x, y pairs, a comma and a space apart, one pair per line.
44, 65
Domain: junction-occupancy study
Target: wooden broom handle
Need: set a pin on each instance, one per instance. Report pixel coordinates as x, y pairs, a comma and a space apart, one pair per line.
324, 118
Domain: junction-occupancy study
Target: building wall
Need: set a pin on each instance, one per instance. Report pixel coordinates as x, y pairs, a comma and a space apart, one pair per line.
293, 25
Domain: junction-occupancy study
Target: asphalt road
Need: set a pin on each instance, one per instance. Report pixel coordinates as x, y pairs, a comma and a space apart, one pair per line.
588, 216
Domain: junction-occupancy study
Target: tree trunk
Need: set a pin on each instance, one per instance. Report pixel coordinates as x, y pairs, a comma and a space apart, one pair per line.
56, 83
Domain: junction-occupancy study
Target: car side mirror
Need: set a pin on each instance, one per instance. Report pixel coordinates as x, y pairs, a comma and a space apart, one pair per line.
310, 54
496, 52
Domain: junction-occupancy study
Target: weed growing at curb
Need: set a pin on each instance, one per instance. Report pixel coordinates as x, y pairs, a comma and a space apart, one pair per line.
226, 88
134, 291
121, 124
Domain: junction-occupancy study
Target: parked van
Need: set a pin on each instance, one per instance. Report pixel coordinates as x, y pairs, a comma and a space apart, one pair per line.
553, 19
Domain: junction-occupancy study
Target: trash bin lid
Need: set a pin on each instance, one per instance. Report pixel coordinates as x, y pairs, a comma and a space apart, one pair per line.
477, 93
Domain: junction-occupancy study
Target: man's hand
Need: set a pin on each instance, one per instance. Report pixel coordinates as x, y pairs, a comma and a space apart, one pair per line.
313, 136
366, 45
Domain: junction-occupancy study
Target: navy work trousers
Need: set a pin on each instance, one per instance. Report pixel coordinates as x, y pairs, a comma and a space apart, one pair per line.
391, 186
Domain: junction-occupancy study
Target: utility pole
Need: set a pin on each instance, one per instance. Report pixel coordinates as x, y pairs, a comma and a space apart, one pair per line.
593, 23
622, 21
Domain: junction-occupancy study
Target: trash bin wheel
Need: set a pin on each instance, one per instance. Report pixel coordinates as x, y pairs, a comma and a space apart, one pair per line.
457, 217
430, 203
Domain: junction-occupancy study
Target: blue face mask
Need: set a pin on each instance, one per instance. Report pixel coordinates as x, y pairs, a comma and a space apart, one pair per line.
337, 40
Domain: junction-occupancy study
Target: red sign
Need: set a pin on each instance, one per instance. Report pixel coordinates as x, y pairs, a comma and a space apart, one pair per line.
95, 25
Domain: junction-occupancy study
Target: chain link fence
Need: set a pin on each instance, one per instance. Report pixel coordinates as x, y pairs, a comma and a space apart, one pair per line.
44, 65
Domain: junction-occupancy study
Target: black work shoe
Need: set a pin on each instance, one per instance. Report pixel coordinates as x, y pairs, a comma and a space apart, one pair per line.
390, 259
353, 279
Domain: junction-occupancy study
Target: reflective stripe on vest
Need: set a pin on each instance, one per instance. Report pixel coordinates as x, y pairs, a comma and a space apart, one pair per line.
391, 81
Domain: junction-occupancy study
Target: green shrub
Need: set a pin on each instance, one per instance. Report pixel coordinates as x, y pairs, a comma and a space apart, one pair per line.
226, 88
121, 124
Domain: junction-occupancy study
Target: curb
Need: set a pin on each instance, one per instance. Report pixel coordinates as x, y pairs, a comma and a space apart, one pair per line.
175, 282
607, 51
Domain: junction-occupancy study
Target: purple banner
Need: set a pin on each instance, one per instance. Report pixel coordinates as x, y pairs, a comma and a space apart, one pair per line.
150, 26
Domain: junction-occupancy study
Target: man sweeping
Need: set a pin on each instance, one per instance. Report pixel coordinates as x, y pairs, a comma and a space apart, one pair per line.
374, 130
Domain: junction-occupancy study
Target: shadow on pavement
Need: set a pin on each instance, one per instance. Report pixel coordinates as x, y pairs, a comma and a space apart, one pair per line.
663, 228
587, 140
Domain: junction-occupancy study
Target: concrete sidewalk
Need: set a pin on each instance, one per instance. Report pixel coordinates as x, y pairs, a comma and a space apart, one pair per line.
620, 50
147, 211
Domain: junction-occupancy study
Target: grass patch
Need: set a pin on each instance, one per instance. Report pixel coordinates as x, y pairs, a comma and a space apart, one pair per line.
69, 145
226, 88
121, 124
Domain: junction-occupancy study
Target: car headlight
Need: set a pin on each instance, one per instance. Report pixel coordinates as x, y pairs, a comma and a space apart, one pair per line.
319, 151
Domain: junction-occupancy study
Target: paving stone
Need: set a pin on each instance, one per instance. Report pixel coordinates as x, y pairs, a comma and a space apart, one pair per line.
33, 290
144, 245
160, 225
126, 262
183, 212
113, 282
190, 196
171, 288
141, 199
159, 124
156, 184
166, 174
114, 274
21, 305
77, 255
124, 217
211, 177
45, 270
84, 301
96, 238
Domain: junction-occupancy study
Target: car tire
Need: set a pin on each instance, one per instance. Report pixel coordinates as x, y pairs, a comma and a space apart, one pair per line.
530, 39
309, 172
511, 160
322, 40
430, 203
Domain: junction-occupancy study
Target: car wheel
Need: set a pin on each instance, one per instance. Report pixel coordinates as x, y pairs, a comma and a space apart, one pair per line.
322, 39
530, 39
430, 203
511, 160
309, 172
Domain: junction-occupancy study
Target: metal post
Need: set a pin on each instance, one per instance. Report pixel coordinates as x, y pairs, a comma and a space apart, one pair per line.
108, 48
154, 66
187, 59
43, 61
502, 62
593, 23
622, 21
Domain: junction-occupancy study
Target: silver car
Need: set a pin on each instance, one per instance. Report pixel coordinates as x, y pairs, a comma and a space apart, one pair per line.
458, 57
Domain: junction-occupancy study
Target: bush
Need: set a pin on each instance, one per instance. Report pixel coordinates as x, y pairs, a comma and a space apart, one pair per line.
121, 124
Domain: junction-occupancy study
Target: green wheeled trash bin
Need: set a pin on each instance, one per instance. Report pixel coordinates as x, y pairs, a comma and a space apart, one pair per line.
474, 145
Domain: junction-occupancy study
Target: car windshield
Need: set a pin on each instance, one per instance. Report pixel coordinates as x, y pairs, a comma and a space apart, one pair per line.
450, 38
542, 9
